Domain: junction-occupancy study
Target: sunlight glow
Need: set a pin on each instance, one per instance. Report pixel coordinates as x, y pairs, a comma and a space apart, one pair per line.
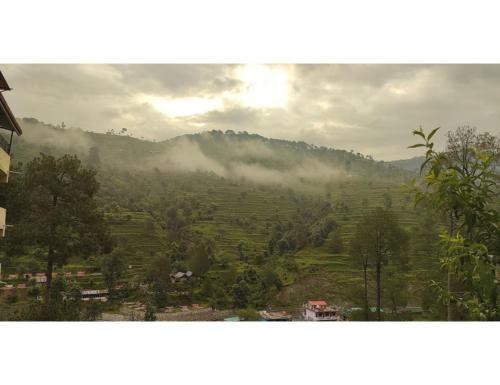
263, 86
182, 106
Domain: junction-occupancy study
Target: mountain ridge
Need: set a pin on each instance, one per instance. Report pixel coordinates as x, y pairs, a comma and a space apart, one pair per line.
226, 153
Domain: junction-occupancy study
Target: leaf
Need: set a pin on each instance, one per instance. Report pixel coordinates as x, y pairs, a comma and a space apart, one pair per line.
417, 145
419, 132
432, 133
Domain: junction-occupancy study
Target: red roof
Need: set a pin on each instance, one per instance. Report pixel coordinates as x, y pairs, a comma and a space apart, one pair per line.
318, 303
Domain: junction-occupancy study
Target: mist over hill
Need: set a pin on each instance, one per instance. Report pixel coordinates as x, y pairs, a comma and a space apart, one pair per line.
229, 154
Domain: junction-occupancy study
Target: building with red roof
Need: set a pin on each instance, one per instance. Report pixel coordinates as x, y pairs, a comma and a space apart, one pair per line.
319, 310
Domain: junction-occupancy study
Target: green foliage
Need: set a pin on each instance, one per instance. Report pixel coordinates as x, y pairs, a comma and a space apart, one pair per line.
241, 294
150, 314
463, 182
311, 225
153, 208
158, 277
378, 241
248, 314
395, 288
56, 211
112, 267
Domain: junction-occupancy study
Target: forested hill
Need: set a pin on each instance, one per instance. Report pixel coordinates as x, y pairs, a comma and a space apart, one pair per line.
411, 164
227, 154
228, 206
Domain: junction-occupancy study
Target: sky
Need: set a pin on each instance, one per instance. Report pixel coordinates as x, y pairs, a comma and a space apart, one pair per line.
370, 109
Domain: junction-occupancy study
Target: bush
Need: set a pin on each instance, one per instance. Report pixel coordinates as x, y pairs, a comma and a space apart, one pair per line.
11, 298
248, 315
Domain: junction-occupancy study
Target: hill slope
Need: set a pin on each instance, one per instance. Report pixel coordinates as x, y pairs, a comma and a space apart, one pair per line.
235, 191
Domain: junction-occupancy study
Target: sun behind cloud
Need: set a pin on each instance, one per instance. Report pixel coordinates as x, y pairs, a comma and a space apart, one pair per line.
182, 107
263, 86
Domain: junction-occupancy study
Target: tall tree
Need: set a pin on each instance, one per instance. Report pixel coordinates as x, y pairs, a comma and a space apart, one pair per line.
60, 213
361, 254
379, 239
112, 267
158, 276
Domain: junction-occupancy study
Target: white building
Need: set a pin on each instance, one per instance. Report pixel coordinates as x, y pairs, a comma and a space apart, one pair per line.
99, 295
321, 311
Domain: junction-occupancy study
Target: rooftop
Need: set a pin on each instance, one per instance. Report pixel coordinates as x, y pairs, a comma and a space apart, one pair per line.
318, 303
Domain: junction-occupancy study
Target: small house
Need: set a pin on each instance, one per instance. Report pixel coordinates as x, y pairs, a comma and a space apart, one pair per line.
41, 278
319, 310
99, 295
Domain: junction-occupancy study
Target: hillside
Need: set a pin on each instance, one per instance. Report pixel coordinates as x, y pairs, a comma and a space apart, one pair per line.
237, 194
411, 164
227, 154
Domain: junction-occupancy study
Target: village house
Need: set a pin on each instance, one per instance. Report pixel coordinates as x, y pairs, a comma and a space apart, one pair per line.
8, 123
321, 311
40, 278
97, 295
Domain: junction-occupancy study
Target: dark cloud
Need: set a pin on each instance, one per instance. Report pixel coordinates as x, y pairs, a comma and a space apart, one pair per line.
368, 108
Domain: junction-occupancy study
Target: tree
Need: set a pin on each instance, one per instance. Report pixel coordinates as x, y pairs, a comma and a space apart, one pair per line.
200, 253
361, 255
395, 288
112, 267
199, 262
463, 183
158, 276
60, 214
150, 314
241, 293
242, 250
378, 240
248, 314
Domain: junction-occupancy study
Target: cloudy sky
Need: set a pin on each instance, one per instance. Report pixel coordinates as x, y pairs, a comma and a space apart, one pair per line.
367, 108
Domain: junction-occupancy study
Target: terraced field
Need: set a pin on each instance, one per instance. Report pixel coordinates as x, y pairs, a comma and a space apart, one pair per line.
322, 274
